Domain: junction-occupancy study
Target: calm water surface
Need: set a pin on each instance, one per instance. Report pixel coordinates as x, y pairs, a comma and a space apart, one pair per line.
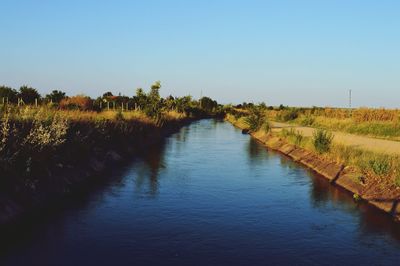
210, 196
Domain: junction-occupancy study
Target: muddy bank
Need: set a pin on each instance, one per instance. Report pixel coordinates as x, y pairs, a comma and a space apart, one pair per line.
77, 166
337, 174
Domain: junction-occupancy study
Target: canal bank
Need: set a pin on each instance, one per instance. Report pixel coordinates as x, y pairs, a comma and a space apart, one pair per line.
79, 165
348, 178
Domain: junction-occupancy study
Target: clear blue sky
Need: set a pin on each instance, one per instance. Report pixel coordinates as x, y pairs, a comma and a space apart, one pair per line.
299, 53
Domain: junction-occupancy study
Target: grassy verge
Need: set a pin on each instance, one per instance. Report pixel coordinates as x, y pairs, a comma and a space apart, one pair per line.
378, 123
379, 173
377, 169
376, 129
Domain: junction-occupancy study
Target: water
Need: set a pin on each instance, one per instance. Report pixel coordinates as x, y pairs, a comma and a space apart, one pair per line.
209, 196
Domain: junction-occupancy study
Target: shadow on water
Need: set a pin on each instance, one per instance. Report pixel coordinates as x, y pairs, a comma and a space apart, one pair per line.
22, 233
322, 193
256, 151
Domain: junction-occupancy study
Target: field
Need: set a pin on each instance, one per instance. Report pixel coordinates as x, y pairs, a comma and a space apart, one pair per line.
378, 123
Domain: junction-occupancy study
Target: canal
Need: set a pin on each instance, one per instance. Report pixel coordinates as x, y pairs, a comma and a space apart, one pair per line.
209, 195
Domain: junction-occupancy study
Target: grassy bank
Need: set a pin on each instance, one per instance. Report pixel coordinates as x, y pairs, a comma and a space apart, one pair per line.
46, 153
372, 176
378, 123
50, 146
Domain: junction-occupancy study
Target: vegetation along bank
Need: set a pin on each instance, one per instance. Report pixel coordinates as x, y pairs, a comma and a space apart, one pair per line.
52, 146
370, 176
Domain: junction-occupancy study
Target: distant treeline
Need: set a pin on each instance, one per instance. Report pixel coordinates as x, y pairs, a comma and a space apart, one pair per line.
151, 102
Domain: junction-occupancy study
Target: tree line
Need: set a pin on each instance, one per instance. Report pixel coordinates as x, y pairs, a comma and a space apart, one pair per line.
149, 102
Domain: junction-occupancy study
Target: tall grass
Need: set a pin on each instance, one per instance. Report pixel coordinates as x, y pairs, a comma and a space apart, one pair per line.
32, 140
374, 166
322, 141
379, 123
293, 136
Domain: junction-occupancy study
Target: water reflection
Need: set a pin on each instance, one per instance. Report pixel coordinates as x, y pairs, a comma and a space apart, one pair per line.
370, 220
151, 163
256, 152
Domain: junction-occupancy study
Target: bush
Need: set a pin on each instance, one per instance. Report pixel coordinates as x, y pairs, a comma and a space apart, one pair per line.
80, 102
119, 116
294, 136
380, 165
256, 119
322, 140
288, 115
254, 122
307, 121
266, 127
298, 138
4, 130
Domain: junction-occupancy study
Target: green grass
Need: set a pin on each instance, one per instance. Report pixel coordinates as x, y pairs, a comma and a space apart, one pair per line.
322, 141
378, 129
387, 167
294, 137
380, 165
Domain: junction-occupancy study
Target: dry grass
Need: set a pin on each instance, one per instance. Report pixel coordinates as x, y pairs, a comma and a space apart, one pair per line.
378, 123
239, 122
375, 166
48, 113
33, 140
174, 115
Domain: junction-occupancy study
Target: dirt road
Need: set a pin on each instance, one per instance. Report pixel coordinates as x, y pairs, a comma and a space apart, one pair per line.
365, 143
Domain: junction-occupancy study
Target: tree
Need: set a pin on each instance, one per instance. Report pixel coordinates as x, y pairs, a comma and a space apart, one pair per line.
55, 96
140, 99
154, 103
8, 94
183, 103
170, 103
154, 95
108, 94
208, 104
28, 94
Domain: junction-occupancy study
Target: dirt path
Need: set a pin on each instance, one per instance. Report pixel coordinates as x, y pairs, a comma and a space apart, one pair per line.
365, 143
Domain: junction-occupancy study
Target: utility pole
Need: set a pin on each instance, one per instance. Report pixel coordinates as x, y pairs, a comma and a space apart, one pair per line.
350, 99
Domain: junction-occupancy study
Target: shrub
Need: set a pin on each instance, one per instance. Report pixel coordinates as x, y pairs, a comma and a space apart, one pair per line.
80, 102
307, 121
294, 136
322, 140
380, 165
298, 138
119, 116
256, 119
266, 127
254, 122
288, 115
47, 135
4, 130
